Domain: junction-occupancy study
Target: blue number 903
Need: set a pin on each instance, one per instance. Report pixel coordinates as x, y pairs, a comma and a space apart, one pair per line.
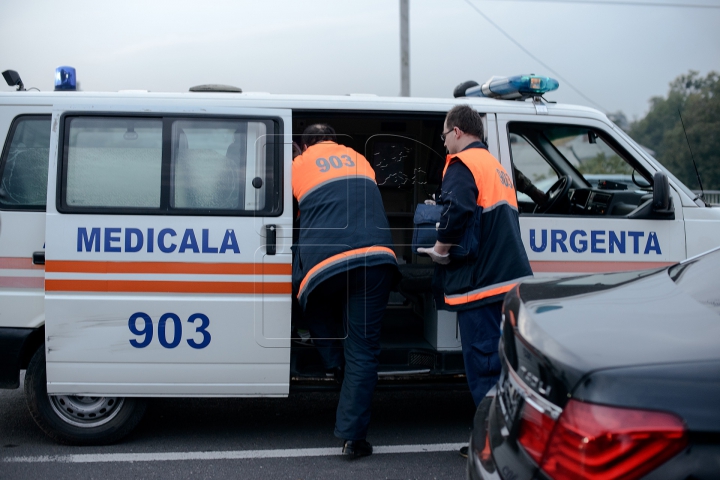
146, 330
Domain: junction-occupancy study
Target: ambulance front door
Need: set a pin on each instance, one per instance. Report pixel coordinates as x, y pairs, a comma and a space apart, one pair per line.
155, 224
586, 227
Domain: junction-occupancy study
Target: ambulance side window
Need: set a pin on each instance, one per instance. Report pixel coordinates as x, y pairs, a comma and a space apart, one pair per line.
527, 159
170, 165
599, 177
24, 164
214, 163
113, 162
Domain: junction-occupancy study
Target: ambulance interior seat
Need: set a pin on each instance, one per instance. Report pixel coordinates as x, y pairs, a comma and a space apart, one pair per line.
416, 283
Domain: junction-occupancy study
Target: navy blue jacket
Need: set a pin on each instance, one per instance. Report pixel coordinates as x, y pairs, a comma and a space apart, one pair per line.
342, 220
476, 187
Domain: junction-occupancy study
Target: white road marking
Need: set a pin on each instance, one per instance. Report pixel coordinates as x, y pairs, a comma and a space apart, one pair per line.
226, 455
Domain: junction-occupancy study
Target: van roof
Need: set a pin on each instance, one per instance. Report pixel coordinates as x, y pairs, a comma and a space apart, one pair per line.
77, 100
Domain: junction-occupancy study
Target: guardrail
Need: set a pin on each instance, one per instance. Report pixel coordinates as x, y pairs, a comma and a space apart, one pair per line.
711, 196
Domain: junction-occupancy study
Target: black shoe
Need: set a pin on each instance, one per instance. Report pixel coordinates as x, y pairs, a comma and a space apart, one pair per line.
463, 452
357, 448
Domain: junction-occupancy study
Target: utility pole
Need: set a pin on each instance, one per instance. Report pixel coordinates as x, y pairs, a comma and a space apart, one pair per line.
404, 48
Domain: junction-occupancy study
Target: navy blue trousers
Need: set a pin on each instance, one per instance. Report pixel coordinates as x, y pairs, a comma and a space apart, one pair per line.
346, 310
480, 334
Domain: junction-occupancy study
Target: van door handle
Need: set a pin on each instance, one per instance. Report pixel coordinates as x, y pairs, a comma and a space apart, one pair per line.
38, 258
271, 239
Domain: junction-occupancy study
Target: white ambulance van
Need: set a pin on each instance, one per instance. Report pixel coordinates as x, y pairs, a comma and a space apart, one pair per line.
145, 238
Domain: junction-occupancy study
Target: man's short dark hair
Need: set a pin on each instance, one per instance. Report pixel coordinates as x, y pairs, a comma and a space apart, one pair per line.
318, 132
466, 119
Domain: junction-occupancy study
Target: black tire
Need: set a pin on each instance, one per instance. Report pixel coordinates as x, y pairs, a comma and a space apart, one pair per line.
97, 421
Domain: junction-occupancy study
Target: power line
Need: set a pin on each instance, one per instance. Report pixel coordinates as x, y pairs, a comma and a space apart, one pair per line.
553, 71
622, 3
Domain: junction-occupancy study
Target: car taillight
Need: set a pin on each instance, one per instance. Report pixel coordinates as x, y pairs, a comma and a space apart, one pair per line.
600, 442
535, 430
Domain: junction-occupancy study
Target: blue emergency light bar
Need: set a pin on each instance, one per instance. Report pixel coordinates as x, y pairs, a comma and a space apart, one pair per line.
65, 79
510, 88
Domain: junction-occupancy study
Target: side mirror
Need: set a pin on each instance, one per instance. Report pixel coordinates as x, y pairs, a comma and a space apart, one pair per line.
660, 206
662, 201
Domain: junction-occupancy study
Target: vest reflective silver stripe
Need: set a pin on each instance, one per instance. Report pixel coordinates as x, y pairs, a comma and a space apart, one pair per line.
499, 204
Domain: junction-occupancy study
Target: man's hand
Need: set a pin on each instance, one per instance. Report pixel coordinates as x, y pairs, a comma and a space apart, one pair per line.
439, 258
538, 196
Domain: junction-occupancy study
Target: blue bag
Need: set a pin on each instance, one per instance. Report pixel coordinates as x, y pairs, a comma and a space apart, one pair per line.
425, 232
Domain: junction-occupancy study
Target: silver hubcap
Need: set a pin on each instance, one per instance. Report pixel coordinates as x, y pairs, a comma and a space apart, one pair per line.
86, 412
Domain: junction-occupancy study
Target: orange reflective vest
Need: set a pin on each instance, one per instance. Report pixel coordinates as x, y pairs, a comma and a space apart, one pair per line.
502, 260
342, 220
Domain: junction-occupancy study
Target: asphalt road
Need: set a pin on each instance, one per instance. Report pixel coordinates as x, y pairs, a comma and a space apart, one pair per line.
175, 429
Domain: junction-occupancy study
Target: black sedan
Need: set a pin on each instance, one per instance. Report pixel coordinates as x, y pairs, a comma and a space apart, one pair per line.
607, 376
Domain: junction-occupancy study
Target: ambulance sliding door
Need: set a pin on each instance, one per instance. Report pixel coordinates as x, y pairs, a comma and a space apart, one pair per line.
155, 228
587, 237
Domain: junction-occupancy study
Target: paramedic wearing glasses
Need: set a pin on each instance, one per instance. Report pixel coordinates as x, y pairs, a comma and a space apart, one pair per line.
476, 188
343, 269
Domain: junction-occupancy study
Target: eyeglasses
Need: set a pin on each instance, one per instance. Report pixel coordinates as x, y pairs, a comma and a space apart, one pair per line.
445, 134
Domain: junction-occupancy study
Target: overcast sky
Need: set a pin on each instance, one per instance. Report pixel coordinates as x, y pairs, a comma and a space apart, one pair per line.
616, 55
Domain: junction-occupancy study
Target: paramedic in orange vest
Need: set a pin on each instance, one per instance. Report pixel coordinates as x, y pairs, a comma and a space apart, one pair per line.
343, 269
476, 188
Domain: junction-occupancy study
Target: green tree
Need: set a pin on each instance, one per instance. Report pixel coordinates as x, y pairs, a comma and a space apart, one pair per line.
698, 100
601, 163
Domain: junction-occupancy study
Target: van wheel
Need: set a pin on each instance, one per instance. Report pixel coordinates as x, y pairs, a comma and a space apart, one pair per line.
78, 419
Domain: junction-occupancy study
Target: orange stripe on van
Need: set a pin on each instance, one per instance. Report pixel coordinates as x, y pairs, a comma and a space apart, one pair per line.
81, 266
593, 267
18, 263
460, 300
134, 286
